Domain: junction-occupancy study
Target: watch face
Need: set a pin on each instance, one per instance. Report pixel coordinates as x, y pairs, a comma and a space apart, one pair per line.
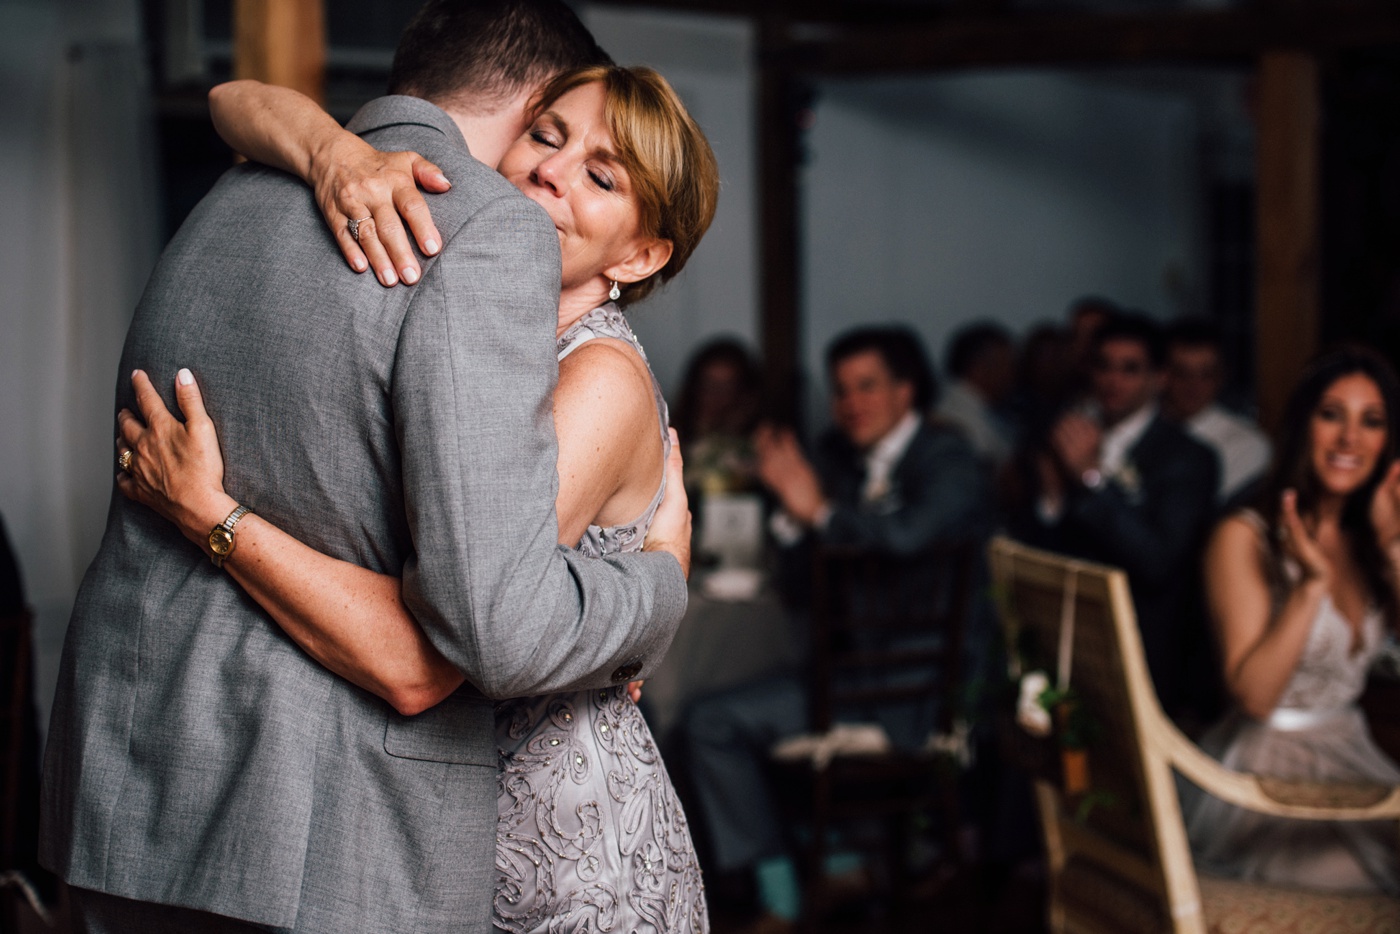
221, 541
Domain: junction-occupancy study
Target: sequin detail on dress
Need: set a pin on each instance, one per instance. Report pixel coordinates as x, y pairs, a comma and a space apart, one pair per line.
590, 835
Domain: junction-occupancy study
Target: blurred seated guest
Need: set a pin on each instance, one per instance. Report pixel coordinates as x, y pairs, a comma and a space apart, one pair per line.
1084, 317
981, 365
884, 479
1302, 590
715, 414
1117, 483
1195, 376
1042, 379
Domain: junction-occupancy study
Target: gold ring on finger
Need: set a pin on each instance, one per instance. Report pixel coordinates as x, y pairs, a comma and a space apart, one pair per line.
124, 460
354, 226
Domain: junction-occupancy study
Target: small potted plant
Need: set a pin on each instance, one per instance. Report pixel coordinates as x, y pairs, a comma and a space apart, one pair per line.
1044, 710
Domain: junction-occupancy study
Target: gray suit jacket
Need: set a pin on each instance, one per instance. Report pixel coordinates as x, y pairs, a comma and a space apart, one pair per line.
196, 756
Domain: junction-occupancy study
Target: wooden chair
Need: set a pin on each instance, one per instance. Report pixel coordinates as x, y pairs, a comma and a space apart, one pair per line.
887, 634
1125, 864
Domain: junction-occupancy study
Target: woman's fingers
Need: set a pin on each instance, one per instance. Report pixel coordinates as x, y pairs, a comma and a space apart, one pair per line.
349, 246
414, 210
429, 175
150, 403
379, 191
1291, 522
1392, 478
189, 398
393, 238
375, 254
129, 430
192, 405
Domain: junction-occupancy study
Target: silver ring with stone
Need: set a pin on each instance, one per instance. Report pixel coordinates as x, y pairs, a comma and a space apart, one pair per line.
353, 226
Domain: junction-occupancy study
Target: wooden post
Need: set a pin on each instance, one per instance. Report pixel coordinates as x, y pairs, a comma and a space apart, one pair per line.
281, 42
1288, 311
779, 160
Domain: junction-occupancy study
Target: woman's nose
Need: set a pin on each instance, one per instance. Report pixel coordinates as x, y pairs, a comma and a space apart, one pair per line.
553, 174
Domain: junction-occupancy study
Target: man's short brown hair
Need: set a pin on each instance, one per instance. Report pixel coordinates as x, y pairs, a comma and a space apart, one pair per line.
475, 55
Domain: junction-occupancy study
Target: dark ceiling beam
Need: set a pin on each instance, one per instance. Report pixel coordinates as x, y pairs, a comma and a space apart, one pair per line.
967, 41
816, 12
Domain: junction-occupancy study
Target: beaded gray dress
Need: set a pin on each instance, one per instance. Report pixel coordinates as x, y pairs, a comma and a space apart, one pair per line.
590, 836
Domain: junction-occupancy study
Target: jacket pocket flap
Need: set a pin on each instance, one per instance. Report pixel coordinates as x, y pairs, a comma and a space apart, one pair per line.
459, 730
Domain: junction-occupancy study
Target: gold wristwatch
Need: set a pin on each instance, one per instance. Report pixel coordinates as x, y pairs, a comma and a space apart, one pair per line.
221, 540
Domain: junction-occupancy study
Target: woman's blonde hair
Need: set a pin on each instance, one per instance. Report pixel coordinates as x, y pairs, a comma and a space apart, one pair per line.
672, 169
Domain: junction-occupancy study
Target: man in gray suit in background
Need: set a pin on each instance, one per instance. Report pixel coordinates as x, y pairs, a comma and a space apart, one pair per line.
202, 773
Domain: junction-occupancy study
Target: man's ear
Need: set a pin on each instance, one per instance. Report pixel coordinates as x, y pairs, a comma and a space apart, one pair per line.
650, 255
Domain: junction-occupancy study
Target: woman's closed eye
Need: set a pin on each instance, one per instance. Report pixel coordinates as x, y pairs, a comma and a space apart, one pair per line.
602, 180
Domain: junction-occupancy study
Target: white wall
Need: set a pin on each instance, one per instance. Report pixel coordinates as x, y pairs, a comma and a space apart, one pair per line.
1003, 195
76, 179
709, 61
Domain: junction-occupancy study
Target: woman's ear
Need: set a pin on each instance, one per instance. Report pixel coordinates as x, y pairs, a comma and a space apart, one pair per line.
650, 255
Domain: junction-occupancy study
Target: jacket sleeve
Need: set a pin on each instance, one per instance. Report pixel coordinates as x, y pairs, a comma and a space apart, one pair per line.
944, 497
472, 397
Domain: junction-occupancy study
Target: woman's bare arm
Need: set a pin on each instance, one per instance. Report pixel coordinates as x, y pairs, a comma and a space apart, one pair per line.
351, 179
1259, 649
350, 619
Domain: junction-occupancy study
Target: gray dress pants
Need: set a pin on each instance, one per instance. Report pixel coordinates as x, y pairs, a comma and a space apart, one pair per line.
728, 737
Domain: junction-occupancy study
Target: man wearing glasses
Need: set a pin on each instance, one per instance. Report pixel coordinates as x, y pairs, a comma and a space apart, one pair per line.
1119, 484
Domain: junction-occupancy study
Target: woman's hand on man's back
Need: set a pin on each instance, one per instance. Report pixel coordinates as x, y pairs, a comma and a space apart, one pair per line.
353, 181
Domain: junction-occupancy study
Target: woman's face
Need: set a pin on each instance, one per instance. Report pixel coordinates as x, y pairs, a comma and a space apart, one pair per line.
566, 162
1348, 433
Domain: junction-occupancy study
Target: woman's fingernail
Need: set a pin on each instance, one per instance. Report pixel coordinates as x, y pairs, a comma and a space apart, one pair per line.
133, 373
185, 377
410, 275
442, 179
430, 247
388, 277
358, 264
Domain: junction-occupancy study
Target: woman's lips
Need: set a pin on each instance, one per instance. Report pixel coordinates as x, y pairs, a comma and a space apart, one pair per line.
1344, 461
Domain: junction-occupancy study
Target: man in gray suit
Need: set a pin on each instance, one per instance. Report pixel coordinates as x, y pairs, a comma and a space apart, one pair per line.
203, 773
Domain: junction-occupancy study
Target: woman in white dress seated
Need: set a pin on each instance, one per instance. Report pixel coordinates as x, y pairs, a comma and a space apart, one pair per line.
1302, 592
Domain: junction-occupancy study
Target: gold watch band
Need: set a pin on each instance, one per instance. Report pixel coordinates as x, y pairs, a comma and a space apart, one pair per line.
221, 540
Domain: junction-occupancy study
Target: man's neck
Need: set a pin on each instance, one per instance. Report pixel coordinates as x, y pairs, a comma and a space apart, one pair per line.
1146, 410
897, 438
489, 135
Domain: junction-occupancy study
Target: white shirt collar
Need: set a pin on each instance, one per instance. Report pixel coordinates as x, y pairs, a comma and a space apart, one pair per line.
885, 453
1119, 440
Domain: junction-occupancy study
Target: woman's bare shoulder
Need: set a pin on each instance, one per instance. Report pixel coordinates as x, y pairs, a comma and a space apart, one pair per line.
1238, 542
607, 366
